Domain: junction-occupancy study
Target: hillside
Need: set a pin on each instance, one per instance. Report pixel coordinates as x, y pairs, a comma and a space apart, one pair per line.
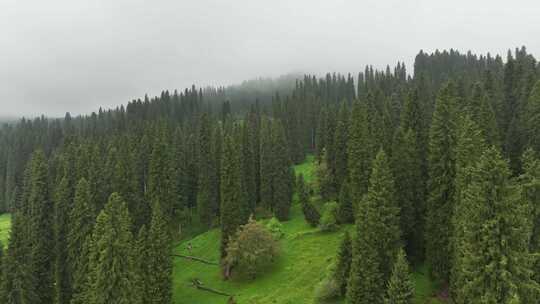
306, 253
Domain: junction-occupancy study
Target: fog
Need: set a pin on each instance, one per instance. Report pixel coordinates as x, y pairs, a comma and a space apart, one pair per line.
69, 55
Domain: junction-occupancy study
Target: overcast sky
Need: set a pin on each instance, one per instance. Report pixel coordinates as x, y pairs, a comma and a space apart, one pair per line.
71, 55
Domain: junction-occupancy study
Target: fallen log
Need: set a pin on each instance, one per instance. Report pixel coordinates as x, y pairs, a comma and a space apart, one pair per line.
199, 285
195, 259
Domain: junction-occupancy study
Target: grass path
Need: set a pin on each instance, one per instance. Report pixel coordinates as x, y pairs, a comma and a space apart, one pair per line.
5, 225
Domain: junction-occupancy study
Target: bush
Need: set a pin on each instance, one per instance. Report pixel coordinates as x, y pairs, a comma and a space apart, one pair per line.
275, 227
328, 288
252, 248
329, 217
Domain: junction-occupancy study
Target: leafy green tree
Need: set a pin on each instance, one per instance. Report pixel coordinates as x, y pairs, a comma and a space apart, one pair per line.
343, 267
400, 288
440, 204
112, 274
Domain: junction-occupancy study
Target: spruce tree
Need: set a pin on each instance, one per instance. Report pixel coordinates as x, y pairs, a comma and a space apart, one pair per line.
311, 214
281, 183
339, 169
205, 197
497, 262
112, 274
81, 222
400, 289
440, 204
359, 155
345, 211
407, 170
530, 183
41, 232
159, 263
142, 258
532, 118
343, 265
62, 269
234, 212
377, 236
266, 165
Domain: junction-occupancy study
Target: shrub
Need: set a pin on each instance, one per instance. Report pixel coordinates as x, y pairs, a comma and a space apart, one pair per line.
252, 248
275, 227
329, 217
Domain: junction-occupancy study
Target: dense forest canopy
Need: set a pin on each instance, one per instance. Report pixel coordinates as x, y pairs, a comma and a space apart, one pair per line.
437, 165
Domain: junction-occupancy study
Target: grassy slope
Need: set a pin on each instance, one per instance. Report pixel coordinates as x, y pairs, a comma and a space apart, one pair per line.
5, 223
305, 255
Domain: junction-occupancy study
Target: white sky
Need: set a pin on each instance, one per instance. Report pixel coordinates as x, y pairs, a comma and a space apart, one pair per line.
72, 55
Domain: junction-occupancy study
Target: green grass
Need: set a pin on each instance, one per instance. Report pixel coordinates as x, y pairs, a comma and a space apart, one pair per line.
306, 253
5, 224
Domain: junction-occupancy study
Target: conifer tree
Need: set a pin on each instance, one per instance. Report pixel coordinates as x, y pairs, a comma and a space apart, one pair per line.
311, 214
81, 221
159, 263
267, 165
339, 169
345, 209
532, 118
440, 204
41, 232
469, 147
62, 269
112, 274
377, 237
234, 212
530, 182
400, 289
483, 114
281, 183
343, 266
359, 154
407, 170
142, 258
497, 215
205, 197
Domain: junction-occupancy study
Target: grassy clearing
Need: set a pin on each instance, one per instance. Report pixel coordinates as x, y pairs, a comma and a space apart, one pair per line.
306, 253
5, 224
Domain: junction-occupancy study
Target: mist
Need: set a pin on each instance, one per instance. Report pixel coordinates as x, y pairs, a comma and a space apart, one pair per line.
76, 56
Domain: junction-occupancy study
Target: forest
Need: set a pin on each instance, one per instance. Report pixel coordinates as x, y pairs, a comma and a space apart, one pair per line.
359, 189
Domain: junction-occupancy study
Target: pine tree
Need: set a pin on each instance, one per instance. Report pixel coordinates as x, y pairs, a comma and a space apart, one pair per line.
532, 118
469, 147
112, 274
233, 197
281, 183
483, 114
61, 224
205, 199
400, 288
159, 263
142, 258
497, 261
359, 155
345, 210
530, 182
311, 214
407, 170
41, 232
343, 266
441, 158
81, 221
377, 237
339, 169
267, 166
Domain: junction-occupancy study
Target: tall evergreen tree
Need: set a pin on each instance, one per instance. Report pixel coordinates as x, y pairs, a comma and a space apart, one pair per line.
345, 209
496, 240
41, 232
266, 165
81, 221
112, 274
62, 270
281, 183
311, 214
159, 263
442, 141
359, 155
532, 118
205, 197
400, 286
234, 209
530, 182
339, 167
377, 238
343, 265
